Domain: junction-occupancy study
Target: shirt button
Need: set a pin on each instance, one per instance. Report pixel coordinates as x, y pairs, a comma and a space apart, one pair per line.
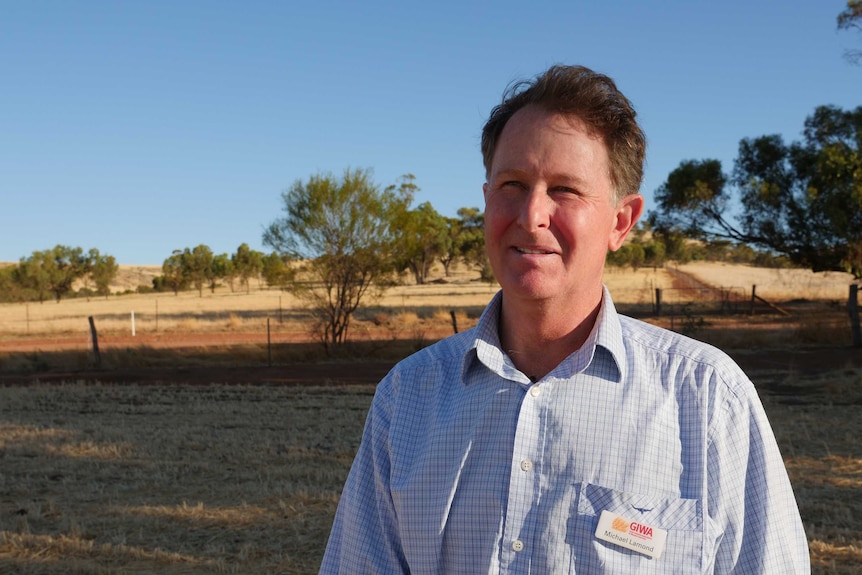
526, 465
517, 545
534, 391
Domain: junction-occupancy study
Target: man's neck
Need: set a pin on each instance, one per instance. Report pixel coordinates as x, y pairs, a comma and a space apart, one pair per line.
538, 336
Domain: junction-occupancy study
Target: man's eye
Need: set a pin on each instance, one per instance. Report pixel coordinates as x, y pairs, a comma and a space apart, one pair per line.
565, 190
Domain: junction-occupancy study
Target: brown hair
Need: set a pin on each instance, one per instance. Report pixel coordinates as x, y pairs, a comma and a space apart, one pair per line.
591, 97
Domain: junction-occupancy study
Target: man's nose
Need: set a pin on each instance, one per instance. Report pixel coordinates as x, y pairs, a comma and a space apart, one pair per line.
535, 210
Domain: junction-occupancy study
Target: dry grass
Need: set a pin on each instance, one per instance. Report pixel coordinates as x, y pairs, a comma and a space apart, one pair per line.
171, 479
773, 284
224, 310
99, 479
227, 311
818, 422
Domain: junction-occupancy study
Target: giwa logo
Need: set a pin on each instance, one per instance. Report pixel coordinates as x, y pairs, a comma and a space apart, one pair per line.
642, 531
633, 528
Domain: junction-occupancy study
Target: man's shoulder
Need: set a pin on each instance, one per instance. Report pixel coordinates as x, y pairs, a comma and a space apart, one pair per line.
447, 352
666, 345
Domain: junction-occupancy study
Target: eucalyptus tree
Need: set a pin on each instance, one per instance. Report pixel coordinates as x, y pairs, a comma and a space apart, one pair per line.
247, 264
851, 19
802, 200
103, 270
340, 230
422, 238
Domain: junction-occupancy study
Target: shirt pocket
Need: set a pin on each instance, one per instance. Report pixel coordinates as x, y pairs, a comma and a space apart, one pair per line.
681, 518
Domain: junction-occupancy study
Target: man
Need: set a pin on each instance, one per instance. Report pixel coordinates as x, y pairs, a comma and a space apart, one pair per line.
557, 436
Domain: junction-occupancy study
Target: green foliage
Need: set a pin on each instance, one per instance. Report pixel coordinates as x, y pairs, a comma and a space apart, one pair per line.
470, 241
10, 289
222, 268
174, 276
421, 238
653, 247
53, 273
631, 254
103, 270
276, 270
850, 18
247, 264
802, 200
198, 267
342, 229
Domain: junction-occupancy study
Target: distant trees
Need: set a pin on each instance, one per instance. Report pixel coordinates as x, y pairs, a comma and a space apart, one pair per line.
341, 229
246, 263
174, 275
277, 271
103, 270
199, 267
421, 239
469, 243
54, 272
802, 200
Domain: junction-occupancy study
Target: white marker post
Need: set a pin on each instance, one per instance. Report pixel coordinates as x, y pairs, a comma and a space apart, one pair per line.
133, 323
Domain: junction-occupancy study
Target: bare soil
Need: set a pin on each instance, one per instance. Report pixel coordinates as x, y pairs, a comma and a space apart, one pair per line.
796, 360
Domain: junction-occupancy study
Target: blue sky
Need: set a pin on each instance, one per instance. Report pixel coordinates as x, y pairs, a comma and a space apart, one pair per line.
142, 127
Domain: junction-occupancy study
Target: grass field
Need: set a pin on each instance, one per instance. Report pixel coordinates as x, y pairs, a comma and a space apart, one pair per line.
241, 311
100, 479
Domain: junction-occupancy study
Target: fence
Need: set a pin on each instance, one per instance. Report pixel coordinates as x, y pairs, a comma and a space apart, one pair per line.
188, 312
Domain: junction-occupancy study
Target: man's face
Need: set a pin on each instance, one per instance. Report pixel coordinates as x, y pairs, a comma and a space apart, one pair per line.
549, 213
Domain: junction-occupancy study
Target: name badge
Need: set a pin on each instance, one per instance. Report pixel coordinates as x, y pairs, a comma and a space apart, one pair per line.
630, 534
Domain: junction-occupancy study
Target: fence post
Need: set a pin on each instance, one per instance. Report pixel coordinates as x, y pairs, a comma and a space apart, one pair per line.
657, 302
454, 321
268, 345
853, 310
95, 336
753, 298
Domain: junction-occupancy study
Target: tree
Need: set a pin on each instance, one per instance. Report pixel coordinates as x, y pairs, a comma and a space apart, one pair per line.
173, 272
341, 229
10, 289
55, 270
222, 269
33, 275
849, 19
247, 263
276, 271
471, 242
802, 200
449, 252
422, 235
103, 270
197, 266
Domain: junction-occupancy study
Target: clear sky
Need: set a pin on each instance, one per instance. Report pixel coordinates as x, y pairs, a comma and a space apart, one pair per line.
142, 127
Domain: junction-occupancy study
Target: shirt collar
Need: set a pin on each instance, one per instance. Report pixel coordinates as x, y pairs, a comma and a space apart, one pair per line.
606, 334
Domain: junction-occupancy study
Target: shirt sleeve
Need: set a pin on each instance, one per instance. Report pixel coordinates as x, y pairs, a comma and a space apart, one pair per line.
751, 499
365, 536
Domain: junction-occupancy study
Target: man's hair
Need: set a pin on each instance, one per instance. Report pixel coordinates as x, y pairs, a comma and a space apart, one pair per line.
593, 98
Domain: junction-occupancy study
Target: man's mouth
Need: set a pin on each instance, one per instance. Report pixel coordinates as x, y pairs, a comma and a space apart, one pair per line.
533, 251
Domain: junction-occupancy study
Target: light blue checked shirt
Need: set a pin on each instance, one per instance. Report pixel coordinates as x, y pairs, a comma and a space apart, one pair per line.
466, 466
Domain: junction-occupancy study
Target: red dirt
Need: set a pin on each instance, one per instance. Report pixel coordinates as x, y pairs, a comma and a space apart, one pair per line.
809, 361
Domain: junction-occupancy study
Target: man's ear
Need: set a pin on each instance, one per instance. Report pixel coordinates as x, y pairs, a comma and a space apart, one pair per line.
628, 211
